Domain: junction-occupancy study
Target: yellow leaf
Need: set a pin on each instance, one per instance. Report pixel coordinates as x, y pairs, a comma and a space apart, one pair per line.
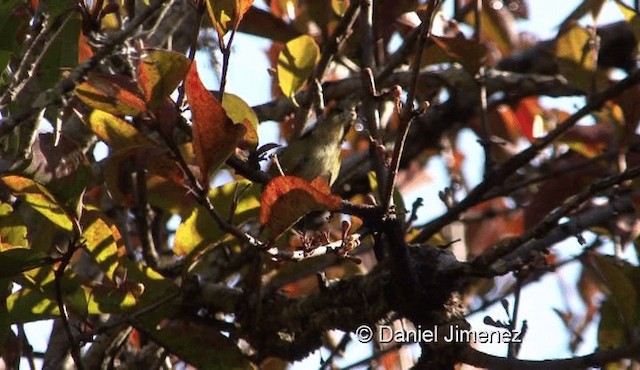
296, 63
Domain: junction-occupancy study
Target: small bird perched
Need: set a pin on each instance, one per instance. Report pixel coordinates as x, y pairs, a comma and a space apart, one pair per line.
317, 151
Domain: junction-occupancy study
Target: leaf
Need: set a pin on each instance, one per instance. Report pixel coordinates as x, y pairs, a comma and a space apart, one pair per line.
498, 27
261, 23
102, 241
469, 53
159, 73
28, 305
227, 14
164, 179
611, 332
551, 193
286, 199
199, 345
114, 94
590, 141
38, 198
527, 111
240, 112
13, 231
296, 63
631, 17
490, 222
62, 168
339, 6
62, 53
10, 25
14, 261
115, 132
215, 136
576, 57
621, 291
199, 228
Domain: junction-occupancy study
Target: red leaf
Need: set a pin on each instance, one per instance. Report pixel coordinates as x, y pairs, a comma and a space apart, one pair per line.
526, 111
215, 136
286, 199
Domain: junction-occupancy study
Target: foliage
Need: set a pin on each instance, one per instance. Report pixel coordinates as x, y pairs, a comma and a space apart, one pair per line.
264, 266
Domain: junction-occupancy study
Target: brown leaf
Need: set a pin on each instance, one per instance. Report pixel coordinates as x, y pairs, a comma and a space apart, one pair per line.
286, 199
466, 52
215, 136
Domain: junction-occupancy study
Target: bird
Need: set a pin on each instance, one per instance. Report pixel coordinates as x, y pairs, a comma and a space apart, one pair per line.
317, 151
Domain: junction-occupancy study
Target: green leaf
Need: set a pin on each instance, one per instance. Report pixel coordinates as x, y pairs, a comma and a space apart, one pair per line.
240, 112
159, 73
12, 228
200, 230
14, 261
201, 346
38, 198
63, 52
622, 293
115, 132
576, 58
611, 331
10, 25
227, 14
296, 63
28, 305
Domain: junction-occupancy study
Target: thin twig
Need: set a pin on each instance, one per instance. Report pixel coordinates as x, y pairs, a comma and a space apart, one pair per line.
406, 117
28, 349
511, 349
369, 92
480, 78
192, 50
74, 347
142, 214
226, 56
346, 338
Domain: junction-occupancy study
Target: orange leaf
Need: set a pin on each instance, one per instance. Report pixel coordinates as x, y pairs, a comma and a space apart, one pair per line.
526, 111
84, 50
286, 199
215, 136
